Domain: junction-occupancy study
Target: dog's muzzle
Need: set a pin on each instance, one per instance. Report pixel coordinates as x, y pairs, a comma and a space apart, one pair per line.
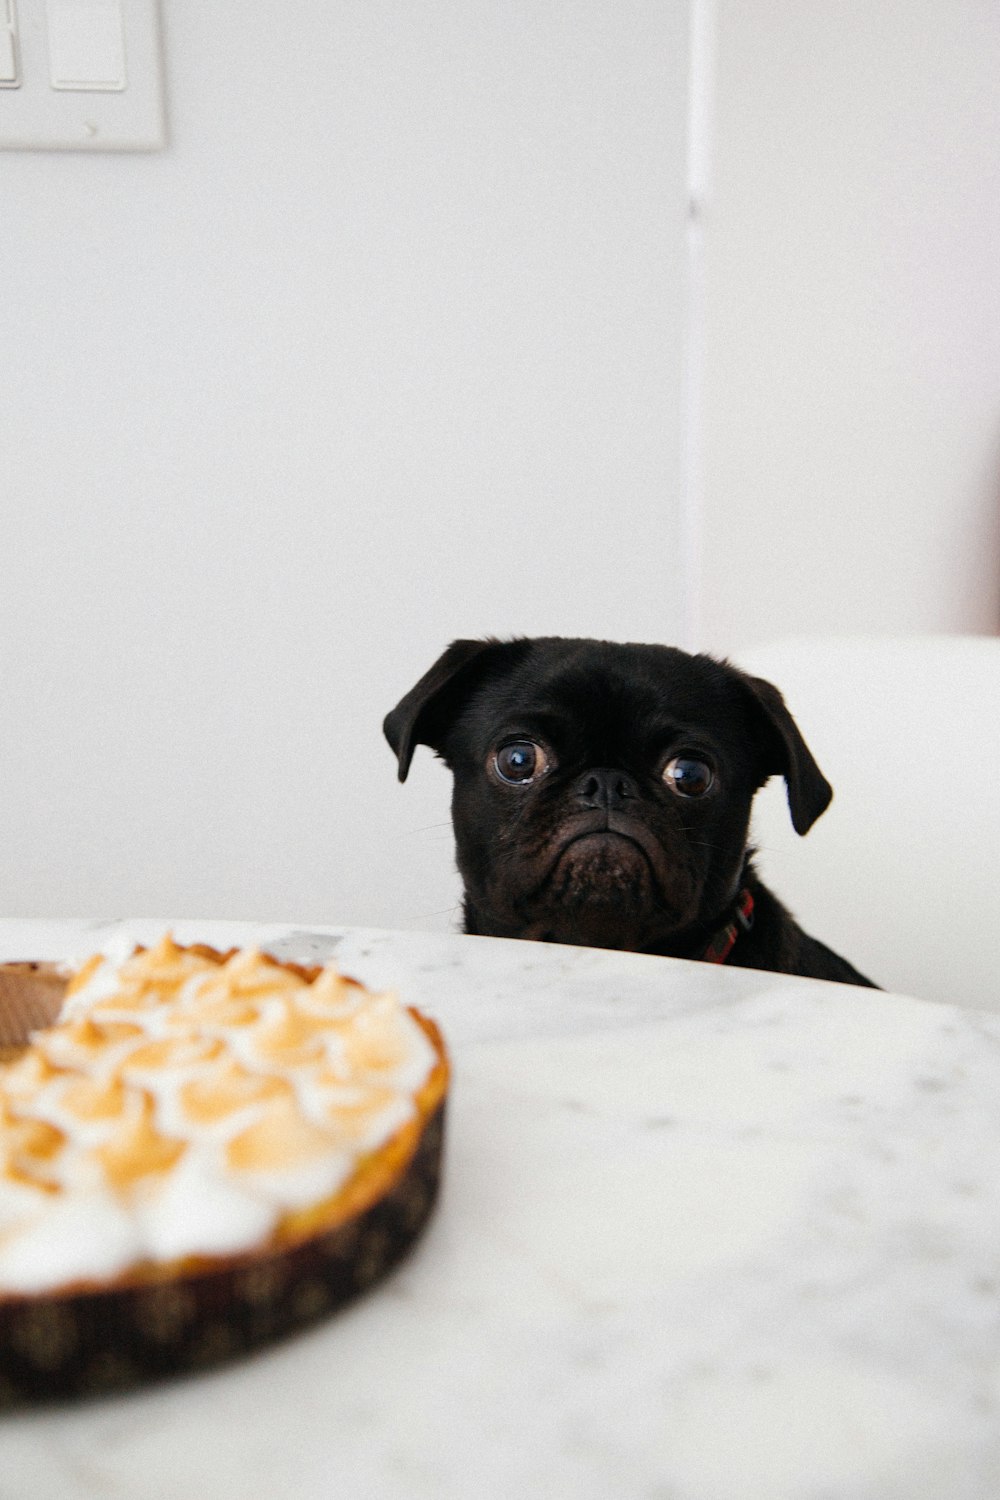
608, 801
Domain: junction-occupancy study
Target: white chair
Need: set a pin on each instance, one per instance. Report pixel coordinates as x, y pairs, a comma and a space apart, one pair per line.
902, 873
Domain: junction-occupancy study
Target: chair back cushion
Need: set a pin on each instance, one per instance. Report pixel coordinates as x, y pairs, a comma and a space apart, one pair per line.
902, 873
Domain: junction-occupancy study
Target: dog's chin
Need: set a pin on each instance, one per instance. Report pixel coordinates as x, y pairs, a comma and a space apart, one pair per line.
601, 893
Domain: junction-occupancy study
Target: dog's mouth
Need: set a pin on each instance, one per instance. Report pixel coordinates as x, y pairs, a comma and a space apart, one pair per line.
616, 840
597, 839
599, 890
607, 883
604, 865
602, 868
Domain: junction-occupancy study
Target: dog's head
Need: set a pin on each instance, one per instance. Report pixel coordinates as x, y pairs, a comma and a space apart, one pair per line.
602, 792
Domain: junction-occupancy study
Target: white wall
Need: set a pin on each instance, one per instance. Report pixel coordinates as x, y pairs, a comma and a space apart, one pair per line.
384, 349
388, 346
851, 419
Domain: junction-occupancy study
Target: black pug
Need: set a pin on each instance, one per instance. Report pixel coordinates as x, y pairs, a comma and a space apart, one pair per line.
602, 796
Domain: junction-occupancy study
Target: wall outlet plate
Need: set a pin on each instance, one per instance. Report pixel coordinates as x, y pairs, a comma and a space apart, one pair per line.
47, 107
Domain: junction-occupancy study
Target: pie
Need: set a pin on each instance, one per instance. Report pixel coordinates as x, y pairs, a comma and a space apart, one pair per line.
200, 1151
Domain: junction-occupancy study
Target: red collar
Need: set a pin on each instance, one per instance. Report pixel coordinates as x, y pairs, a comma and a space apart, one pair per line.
722, 944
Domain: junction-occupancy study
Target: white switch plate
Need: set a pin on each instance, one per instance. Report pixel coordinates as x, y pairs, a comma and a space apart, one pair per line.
10, 70
105, 116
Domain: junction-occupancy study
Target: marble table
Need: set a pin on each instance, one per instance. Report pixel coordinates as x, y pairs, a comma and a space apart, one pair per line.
704, 1234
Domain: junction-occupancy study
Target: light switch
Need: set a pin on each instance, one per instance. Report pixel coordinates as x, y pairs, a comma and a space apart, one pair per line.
9, 73
86, 44
89, 77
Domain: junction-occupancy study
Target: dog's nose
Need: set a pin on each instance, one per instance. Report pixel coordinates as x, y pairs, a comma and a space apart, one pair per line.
605, 788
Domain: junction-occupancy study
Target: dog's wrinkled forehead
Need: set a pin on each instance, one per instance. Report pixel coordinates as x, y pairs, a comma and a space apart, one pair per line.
605, 698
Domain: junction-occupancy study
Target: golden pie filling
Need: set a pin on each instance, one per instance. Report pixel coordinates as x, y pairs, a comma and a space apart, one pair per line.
190, 1105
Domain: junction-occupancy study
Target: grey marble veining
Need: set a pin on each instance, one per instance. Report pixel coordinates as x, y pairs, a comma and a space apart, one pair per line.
705, 1234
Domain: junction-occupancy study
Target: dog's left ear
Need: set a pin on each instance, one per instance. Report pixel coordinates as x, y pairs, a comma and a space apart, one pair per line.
788, 755
420, 717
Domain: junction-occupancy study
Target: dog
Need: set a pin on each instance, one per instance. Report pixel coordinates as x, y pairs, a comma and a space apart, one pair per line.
602, 796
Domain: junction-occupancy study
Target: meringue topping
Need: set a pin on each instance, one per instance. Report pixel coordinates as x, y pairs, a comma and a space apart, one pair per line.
185, 1101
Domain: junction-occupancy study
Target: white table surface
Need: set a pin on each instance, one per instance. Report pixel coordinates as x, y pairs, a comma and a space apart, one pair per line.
704, 1234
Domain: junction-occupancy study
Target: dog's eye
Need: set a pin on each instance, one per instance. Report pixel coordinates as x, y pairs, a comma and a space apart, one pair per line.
520, 761
687, 776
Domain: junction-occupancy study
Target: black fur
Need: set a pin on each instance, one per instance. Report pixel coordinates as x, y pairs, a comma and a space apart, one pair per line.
598, 847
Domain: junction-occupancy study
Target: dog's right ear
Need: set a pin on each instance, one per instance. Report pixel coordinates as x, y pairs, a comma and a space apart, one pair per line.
425, 711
